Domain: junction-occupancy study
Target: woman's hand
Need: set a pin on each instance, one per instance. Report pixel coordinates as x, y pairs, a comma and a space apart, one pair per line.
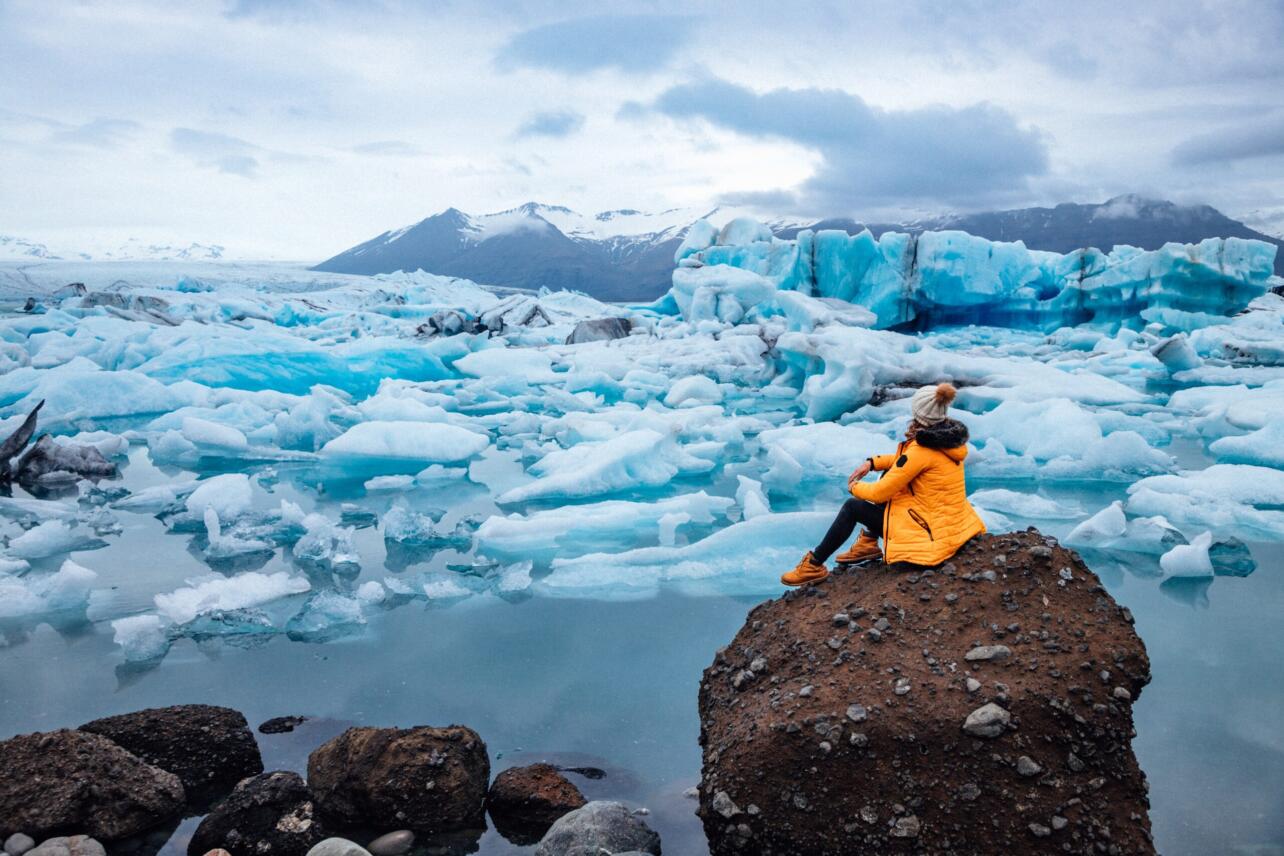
858, 474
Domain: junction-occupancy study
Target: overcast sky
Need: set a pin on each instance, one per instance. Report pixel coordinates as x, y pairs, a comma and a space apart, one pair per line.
294, 128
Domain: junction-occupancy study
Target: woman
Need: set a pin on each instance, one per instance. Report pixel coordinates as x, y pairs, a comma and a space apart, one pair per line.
918, 506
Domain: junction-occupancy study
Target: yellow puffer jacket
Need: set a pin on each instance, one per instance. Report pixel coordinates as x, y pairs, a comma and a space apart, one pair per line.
927, 515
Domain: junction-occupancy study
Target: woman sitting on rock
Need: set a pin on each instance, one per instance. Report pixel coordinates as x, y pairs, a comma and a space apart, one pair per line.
918, 506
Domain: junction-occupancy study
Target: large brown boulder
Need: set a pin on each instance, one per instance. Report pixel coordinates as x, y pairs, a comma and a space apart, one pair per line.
525, 801
981, 707
423, 778
209, 748
70, 782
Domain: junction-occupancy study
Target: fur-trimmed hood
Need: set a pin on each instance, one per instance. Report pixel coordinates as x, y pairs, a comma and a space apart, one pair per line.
946, 434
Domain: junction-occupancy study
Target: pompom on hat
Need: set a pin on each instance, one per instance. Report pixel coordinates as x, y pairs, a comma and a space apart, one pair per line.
931, 404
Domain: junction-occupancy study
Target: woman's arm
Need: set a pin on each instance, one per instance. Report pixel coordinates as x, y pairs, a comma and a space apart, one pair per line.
903, 471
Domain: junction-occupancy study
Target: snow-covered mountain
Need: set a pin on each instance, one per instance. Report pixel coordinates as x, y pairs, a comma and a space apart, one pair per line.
614, 255
13, 248
628, 255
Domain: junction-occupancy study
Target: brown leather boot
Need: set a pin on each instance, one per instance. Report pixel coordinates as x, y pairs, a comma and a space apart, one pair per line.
866, 547
807, 571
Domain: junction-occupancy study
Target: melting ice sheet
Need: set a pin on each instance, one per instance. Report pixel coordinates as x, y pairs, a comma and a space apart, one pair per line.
316, 463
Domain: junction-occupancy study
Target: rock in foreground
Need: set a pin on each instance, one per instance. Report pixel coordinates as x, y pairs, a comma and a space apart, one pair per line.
429, 779
525, 801
599, 827
270, 813
70, 782
209, 748
847, 718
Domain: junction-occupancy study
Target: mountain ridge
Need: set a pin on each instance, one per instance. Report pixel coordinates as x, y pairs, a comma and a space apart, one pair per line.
626, 254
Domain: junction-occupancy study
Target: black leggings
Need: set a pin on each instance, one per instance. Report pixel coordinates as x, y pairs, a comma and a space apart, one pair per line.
854, 511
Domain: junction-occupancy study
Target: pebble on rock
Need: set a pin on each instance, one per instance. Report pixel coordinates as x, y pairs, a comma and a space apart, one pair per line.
1027, 766
392, 844
17, 844
987, 721
338, 847
986, 653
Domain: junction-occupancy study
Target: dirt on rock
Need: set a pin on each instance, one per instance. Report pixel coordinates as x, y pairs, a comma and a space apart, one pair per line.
525, 801
981, 707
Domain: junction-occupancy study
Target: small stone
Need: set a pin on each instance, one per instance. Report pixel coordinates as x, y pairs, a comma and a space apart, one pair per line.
1041, 551
834, 642
952, 597
882, 625
1059, 822
219, 852
1065, 574
873, 635
857, 713
75, 845
723, 805
392, 844
1027, 766
806, 691
987, 721
973, 685
868, 814
986, 653
902, 686
17, 844
858, 740
969, 791
906, 827
281, 724
841, 619
1122, 694
988, 576
742, 678
338, 847
1039, 830
1075, 763
758, 666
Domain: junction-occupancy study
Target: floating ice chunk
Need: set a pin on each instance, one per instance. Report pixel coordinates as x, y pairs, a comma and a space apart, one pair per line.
693, 390
225, 593
389, 483
66, 589
1027, 505
13, 566
50, 539
430, 442
404, 526
325, 616
529, 364
1101, 528
820, 450
512, 579
223, 546
325, 543
214, 436
1176, 354
1153, 535
745, 557
109, 445
230, 495
573, 529
28, 508
751, 499
1226, 498
1189, 560
436, 472
141, 637
371, 592
1264, 446
642, 458
156, 499
994, 521
443, 586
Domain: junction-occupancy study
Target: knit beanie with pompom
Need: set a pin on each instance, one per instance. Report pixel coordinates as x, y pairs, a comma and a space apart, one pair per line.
930, 404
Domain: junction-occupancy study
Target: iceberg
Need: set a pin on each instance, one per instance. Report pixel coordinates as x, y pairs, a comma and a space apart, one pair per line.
325, 616
1226, 498
227, 593
66, 589
950, 277
142, 638
422, 442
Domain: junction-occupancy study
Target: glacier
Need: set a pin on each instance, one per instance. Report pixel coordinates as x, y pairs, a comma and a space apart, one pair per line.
330, 452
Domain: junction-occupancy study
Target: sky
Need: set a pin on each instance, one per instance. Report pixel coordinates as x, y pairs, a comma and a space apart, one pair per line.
296, 128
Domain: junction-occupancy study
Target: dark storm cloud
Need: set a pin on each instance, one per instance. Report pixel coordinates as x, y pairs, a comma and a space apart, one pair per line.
931, 154
554, 123
1253, 139
629, 43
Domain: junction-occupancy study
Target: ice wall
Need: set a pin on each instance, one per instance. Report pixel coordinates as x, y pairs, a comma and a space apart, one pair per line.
952, 277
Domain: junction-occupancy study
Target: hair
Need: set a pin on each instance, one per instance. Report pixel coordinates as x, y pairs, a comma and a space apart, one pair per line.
945, 394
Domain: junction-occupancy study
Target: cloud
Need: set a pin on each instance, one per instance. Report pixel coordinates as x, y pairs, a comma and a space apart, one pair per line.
554, 123
226, 154
942, 155
388, 148
98, 133
627, 43
1263, 138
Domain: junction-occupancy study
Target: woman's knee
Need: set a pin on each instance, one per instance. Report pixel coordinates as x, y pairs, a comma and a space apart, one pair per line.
853, 505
